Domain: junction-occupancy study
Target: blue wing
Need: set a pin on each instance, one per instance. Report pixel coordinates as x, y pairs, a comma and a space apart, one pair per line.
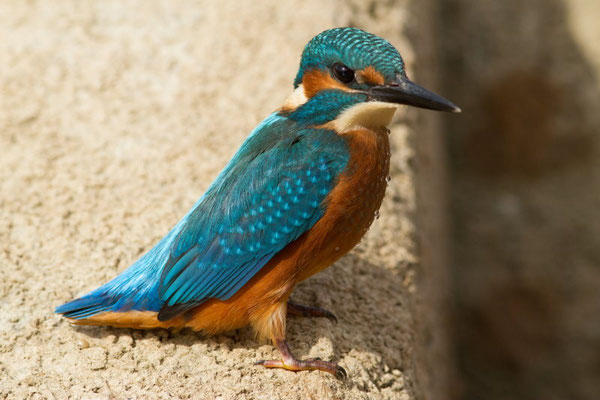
270, 193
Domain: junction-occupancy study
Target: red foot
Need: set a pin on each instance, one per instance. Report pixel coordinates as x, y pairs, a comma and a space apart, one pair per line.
289, 362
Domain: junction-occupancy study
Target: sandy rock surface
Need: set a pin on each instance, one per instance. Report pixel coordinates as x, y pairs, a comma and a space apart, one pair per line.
114, 118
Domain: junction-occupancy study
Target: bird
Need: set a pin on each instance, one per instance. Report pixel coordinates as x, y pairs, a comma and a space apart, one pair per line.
301, 191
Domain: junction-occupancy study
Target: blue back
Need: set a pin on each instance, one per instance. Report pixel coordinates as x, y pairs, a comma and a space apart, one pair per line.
269, 194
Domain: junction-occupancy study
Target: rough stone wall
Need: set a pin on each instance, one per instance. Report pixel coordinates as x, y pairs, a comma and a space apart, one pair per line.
433, 309
526, 195
114, 118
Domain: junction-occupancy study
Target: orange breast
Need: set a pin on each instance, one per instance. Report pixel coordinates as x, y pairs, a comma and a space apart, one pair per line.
352, 205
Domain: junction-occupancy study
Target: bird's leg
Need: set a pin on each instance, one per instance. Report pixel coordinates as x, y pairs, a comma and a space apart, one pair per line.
289, 362
272, 324
308, 311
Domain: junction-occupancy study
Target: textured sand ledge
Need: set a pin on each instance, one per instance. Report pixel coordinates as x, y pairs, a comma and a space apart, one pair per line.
113, 120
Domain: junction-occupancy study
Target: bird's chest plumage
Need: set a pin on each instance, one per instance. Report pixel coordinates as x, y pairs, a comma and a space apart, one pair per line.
361, 188
353, 204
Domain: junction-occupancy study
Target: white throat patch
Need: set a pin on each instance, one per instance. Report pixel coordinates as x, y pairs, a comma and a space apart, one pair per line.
296, 99
370, 115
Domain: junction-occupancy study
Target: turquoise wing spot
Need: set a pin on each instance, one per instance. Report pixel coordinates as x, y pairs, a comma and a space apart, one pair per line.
270, 193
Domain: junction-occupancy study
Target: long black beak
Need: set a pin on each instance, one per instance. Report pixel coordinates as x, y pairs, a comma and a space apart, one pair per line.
403, 91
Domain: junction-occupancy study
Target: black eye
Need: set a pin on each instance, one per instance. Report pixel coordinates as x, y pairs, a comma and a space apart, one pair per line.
343, 73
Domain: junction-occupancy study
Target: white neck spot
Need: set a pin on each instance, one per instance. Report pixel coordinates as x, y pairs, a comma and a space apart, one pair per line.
296, 99
370, 115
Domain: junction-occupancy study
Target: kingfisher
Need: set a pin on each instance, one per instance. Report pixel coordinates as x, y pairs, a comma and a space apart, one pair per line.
301, 192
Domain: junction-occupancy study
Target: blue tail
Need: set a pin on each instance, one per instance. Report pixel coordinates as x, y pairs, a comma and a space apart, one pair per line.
85, 306
135, 289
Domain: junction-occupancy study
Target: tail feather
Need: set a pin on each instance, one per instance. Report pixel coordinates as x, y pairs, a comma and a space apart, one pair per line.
135, 289
86, 306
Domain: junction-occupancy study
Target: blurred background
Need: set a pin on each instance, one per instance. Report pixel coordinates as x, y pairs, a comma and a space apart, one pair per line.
524, 189
105, 142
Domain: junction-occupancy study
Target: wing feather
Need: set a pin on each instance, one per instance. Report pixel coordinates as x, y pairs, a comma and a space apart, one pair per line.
271, 193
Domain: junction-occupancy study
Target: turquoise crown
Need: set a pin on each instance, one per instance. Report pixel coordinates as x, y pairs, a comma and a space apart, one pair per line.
353, 47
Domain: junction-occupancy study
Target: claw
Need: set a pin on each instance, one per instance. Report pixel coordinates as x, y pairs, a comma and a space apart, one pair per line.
341, 373
308, 311
290, 363
306, 365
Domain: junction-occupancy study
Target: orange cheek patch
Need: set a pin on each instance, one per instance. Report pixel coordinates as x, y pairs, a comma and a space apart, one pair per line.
370, 75
316, 80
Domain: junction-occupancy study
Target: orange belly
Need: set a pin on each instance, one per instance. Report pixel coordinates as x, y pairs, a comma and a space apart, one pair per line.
351, 208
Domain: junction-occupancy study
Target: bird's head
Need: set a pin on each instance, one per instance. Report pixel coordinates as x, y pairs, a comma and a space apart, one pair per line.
349, 77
